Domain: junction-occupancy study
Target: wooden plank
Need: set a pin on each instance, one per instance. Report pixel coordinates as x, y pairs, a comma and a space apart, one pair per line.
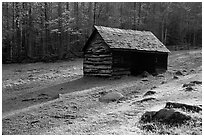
97, 51
88, 68
98, 71
102, 75
98, 59
97, 56
94, 52
97, 67
98, 62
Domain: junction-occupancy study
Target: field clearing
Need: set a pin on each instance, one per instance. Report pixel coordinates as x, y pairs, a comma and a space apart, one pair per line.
55, 98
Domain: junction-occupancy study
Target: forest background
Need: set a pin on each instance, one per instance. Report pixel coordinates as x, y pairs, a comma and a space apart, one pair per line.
49, 31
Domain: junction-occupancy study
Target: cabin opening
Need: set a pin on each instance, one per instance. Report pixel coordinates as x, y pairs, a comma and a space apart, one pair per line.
135, 63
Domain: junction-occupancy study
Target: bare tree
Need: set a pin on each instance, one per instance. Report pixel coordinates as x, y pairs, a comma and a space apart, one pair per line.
60, 47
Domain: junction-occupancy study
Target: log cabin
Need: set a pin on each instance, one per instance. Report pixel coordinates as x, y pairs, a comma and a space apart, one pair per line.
115, 52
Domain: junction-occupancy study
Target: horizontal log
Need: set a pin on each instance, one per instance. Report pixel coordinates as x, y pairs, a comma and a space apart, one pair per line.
97, 71
101, 54
97, 56
101, 75
97, 67
92, 65
98, 59
97, 53
101, 48
98, 62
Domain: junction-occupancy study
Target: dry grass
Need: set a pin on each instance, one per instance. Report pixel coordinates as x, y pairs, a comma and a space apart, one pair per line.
191, 127
80, 112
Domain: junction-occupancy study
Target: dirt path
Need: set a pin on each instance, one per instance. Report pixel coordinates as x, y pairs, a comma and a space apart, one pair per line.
50, 93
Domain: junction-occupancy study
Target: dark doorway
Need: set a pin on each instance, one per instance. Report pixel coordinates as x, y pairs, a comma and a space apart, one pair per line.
141, 62
136, 62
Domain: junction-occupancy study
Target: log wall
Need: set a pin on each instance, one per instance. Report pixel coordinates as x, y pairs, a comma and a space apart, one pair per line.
97, 58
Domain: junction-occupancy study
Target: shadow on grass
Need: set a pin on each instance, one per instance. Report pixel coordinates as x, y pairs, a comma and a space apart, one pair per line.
52, 92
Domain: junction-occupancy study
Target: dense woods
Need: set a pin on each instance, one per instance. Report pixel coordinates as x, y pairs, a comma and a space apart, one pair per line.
46, 31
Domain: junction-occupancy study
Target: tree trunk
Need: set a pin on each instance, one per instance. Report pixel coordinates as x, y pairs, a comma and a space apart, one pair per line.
90, 11
13, 35
60, 47
165, 39
139, 15
162, 32
46, 28
134, 21
21, 30
67, 33
188, 41
94, 17
30, 32
18, 31
84, 31
107, 11
76, 13
194, 35
7, 28
43, 52
7, 15
99, 14
121, 14
24, 32
67, 6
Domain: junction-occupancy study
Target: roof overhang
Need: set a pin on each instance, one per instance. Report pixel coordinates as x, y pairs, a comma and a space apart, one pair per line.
141, 51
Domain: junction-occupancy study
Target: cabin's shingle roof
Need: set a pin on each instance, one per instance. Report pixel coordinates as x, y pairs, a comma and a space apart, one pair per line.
131, 39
